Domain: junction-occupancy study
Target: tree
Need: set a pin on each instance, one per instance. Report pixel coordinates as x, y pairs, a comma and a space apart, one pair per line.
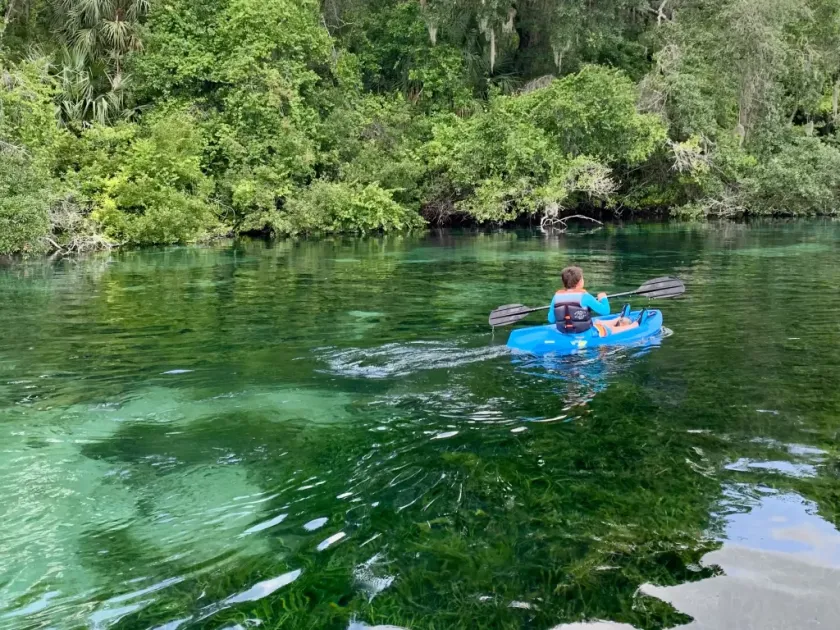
255, 68
94, 38
29, 142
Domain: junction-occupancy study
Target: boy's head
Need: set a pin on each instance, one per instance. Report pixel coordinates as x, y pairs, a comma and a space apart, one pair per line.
572, 278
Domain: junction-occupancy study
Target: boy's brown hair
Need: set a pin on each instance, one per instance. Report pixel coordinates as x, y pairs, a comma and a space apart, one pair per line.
571, 276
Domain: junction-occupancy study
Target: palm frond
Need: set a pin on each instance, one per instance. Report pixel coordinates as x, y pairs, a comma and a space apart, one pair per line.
84, 42
116, 33
95, 36
99, 109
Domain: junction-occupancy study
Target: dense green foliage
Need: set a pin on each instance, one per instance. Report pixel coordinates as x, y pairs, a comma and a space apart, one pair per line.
24, 210
539, 151
28, 140
175, 121
145, 181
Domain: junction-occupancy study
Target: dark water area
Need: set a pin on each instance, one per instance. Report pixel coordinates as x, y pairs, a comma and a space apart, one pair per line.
326, 435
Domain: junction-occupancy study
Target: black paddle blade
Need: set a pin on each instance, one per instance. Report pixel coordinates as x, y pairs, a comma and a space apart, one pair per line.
665, 287
509, 314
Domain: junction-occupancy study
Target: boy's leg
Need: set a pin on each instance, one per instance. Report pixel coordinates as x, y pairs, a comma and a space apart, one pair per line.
619, 325
616, 323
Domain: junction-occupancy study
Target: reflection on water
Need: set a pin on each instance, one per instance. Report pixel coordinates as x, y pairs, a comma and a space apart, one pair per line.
780, 563
325, 435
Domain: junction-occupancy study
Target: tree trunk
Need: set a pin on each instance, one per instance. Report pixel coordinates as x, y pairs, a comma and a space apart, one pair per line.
492, 49
7, 16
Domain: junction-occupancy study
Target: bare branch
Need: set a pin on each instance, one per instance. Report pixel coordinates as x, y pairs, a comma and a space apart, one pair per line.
553, 223
55, 245
659, 11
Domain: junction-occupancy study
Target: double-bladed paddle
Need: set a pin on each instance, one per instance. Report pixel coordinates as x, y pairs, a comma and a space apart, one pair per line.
657, 288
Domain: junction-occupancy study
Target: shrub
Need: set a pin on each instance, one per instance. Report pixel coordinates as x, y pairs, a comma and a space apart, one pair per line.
254, 68
375, 140
801, 178
341, 207
29, 136
593, 112
24, 202
145, 181
554, 146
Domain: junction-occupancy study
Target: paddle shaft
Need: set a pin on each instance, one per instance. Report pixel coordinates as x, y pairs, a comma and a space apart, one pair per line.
609, 297
656, 288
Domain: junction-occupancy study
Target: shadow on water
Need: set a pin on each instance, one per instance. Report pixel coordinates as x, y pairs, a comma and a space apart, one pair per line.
207, 438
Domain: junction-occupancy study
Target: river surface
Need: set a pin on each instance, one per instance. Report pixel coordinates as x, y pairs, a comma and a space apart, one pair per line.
327, 435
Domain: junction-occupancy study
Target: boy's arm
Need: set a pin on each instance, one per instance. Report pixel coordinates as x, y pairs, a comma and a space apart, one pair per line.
599, 307
551, 318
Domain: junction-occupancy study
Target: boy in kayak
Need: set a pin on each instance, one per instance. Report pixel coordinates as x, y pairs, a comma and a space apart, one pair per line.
574, 307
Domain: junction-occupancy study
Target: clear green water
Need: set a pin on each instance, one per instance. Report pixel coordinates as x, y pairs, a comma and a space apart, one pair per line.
317, 434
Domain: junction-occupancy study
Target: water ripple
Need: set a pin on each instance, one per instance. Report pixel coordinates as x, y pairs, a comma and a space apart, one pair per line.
403, 359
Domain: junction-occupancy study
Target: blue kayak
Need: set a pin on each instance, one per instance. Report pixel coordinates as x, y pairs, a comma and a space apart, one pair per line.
547, 339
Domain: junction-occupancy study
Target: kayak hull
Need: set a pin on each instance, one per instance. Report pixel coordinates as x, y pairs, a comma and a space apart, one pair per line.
548, 340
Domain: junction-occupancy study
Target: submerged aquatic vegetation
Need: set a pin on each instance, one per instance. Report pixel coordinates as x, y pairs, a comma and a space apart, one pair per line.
246, 455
